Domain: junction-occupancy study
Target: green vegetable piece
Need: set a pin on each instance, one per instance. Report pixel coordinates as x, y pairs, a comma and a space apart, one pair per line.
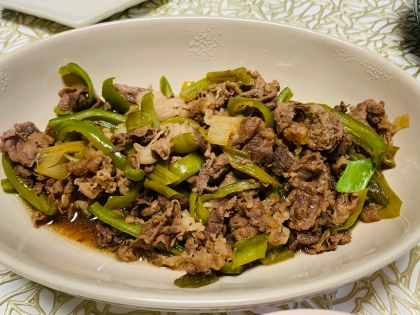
187, 166
353, 217
177, 250
236, 102
392, 210
228, 270
195, 281
148, 111
237, 75
249, 250
285, 95
7, 186
99, 141
202, 213
184, 143
277, 256
162, 175
114, 219
389, 157
192, 203
111, 95
183, 120
356, 176
26, 192
361, 135
61, 112
91, 114
77, 70
119, 202
242, 162
161, 189
165, 87
376, 193
134, 120
191, 91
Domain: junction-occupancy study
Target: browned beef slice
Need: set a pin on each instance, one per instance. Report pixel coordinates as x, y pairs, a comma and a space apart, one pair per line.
224, 91
260, 147
282, 161
39, 219
23, 143
78, 168
283, 115
192, 269
241, 228
25, 174
129, 92
73, 98
246, 131
143, 135
61, 191
266, 93
329, 241
371, 212
325, 130
119, 140
344, 206
213, 170
107, 236
379, 119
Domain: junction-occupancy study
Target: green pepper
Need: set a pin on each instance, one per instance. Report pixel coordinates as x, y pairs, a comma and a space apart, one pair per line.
236, 75
119, 202
177, 250
99, 141
355, 214
26, 192
61, 112
134, 120
236, 102
162, 175
249, 250
361, 135
376, 193
276, 256
285, 95
114, 219
389, 157
192, 203
195, 281
77, 70
186, 166
165, 87
202, 213
183, 120
393, 208
161, 189
184, 143
148, 109
242, 162
7, 186
111, 95
92, 114
228, 270
191, 92
356, 176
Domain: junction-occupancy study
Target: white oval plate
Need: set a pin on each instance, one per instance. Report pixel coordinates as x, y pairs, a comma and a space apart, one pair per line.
138, 52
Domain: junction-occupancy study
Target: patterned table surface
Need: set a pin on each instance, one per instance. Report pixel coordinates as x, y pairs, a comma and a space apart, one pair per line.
387, 27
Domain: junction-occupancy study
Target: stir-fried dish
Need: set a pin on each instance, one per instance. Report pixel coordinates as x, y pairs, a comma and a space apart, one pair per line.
229, 174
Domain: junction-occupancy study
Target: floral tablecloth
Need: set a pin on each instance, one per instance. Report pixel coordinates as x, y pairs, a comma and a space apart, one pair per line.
387, 27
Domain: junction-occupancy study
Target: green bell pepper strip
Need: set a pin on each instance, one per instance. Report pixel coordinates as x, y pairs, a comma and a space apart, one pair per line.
91, 114
77, 70
277, 256
236, 102
161, 189
392, 210
177, 250
165, 87
184, 143
119, 202
353, 217
249, 250
111, 95
61, 112
195, 281
182, 120
191, 91
162, 175
99, 141
186, 166
26, 192
133, 120
376, 193
192, 203
285, 95
229, 271
236, 75
7, 186
148, 109
202, 213
361, 135
242, 162
389, 157
114, 219
356, 176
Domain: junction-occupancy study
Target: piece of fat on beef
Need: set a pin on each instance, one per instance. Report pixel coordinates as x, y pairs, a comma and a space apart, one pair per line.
23, 142
247, 129
73, 98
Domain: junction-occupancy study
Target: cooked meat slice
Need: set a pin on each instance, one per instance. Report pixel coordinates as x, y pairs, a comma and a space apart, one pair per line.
283, 116
213, 170
129, 92
260, 147
282, 161
344, 206
371, 212
73, 98
246, 131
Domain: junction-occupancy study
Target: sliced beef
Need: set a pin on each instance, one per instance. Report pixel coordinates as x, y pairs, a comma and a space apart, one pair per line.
224, 92
283, 116
212, 171
266, 93
39, 219
260, 147
73, 98
282, 161
371, 212
325, 130
344, 206
23, 143
129, 92
328, 241
107, 236
247, 129
143, 135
